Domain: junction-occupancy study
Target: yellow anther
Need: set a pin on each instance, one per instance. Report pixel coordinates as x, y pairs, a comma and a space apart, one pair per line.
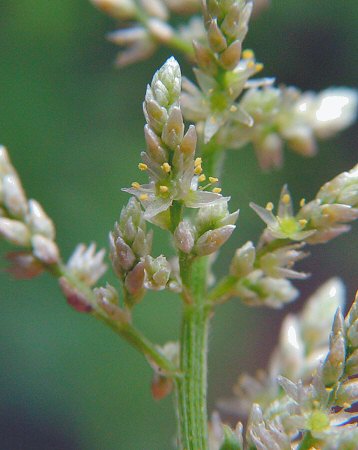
269, 206
248, 54
135, 185
286, 199
233, 108
166, 167
142, 166
251, 65
217, 190
143, 197
198, 162
259, 67
201, 178
163, 189
302, 222
213, 179
198, 170
302, 202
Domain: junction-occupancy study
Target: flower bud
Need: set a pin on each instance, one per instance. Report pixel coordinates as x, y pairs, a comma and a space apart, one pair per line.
154, 148
173, 130
134, 282
205, 58
184, 237
39, 221
74, 297
230, 57
352, 334
347, 393
45, 249
161, 386
188, 143
123, 255
243, 260
352, 364
333, 366
157, 272
14, 231
212, 240
216, 38
14, 196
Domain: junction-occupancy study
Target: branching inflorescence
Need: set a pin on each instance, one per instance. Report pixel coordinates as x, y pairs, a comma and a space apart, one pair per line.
304, 400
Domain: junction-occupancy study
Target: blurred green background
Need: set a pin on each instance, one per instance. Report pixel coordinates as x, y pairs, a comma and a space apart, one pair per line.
73, 124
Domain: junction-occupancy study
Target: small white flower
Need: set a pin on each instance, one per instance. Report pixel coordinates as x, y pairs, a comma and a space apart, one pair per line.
86, 264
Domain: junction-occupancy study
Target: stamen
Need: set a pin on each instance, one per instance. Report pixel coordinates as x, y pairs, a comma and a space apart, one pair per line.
269, 206
201, 178
248, 54
302, 222
142, 166
217, 190
198, 162
233, 108
286, 199
302, 202
135, 185
198, 170
166, 167
213, 179
251, 65
143, 197
259, 67
163, 189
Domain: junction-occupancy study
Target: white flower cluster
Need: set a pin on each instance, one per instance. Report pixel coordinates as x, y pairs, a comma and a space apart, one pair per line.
310, 385
24, 223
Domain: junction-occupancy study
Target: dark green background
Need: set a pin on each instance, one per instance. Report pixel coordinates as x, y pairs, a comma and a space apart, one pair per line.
73, 124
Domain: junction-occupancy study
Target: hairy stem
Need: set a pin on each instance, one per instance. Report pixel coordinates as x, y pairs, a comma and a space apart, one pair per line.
192, 387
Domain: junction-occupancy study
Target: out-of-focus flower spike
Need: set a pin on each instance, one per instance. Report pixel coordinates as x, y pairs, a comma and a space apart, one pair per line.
139, 51
45, 249
39, 221
319, 311
15, 232
14, 196
156, 8
333, 366
23, 265
119, 9
126, 36
333, 110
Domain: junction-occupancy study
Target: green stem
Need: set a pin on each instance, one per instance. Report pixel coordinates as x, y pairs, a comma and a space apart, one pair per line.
192, 387
174, 42
122, 327
307, 442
